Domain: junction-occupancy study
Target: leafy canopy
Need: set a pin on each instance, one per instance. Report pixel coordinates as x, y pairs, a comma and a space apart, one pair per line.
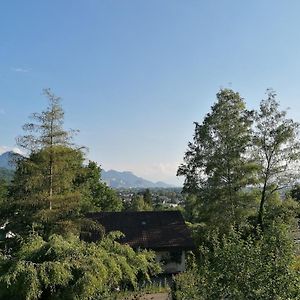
68, 268
216, 165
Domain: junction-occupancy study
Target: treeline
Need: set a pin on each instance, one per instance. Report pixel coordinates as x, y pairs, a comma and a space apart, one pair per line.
45, 249
6, 175
241, 201
238, 170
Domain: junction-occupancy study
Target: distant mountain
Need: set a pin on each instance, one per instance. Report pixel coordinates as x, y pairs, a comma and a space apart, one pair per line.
127, 180
7, 166
113, 178
6, 160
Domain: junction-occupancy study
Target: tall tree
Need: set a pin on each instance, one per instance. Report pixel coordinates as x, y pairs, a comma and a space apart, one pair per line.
147, 197
44, 194
216, 166
46, 133
276, 149
29, 192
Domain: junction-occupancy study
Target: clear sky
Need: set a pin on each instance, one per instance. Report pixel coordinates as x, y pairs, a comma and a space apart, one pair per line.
135, 75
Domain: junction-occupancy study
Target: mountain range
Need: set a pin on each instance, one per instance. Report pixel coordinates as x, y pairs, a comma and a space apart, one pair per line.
6, 160
114, 179
126, 179
7, 167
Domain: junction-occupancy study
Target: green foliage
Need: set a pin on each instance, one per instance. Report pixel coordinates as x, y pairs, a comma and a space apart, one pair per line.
276, 149
259, 266
3, 199
51, 190
232, 171
229, 156
32, 173
295, 192
72, 269
45, 210
46, 130
3, 190
43, 194
281, 210
29, 193
216, 167
6, 174
141, 201
138, 204
191, 211
147, 197
101, 196
45, 136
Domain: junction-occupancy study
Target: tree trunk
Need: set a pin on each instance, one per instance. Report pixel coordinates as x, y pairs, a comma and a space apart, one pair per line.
51, 166
261, 206
50, 180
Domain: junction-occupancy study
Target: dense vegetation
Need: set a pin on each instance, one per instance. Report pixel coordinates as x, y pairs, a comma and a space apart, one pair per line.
238, 169
240, 198
6, 174
45, 248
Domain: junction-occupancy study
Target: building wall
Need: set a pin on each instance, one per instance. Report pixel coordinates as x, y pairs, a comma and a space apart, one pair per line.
171, 262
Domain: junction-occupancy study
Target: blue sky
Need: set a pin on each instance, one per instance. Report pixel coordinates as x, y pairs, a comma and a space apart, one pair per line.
135, 75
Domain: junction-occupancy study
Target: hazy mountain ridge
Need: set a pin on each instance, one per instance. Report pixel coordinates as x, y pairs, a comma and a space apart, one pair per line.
126, 179
6, 160
113, 178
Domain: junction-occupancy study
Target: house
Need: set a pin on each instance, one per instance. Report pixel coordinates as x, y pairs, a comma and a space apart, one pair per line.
164, 232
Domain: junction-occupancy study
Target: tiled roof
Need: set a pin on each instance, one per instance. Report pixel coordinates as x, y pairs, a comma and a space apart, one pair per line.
157, 230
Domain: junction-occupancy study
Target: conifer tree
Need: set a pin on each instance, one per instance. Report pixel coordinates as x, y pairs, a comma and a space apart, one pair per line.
43, 195
46, 134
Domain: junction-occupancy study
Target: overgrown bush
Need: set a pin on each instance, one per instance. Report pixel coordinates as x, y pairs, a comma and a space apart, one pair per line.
260, 266
72, 269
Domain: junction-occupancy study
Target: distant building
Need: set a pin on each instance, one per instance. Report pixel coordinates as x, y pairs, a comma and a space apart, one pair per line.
164, 232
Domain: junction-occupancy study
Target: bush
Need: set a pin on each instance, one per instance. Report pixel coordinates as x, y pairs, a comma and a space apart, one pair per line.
72, 269
261, 266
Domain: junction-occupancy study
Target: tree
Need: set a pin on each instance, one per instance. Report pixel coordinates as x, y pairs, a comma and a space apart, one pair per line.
295, 192
276, 150
46, 134
3, 190
103, 197
51, 256
3, 199
44, 194
216, 166
138, 204
260, 266
29, 192
6, 174
147, 197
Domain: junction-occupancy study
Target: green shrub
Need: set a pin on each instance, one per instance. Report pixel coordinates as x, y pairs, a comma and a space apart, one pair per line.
261, 266
72, 269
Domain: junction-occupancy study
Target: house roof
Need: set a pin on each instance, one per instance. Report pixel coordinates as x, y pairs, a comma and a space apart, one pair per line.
157, 230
